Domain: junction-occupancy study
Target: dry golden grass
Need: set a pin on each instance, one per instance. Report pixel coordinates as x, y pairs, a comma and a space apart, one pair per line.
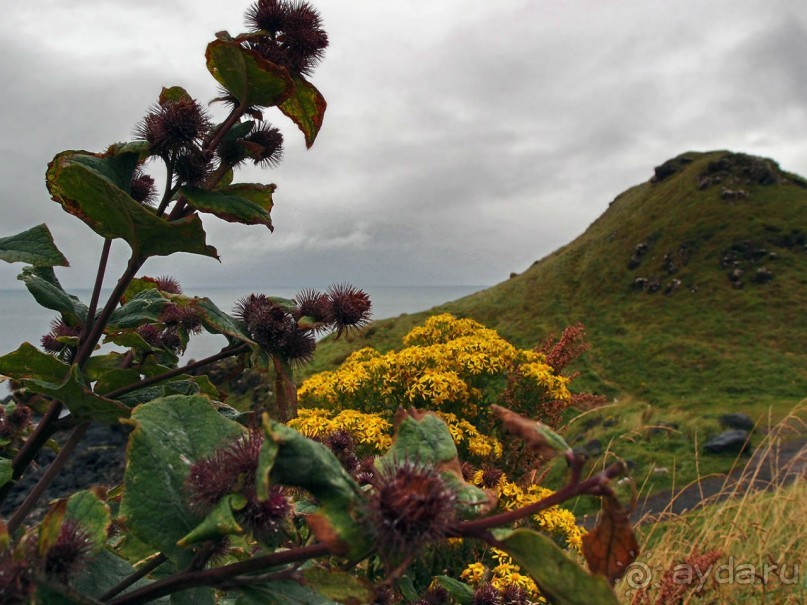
756, 524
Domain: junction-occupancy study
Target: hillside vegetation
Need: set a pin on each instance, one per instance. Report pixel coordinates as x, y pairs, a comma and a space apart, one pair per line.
692, 288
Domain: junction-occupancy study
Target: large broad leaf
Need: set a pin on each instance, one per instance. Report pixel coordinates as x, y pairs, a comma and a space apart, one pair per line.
558, 577
143, 307
95, 188
96, 577
281, 592
217, 321
44, 374
246, 203
288, 458
246, 75
34, 246
341, 586
425, 438
48, 292
170, 434
306, 107
90, 511
461, 592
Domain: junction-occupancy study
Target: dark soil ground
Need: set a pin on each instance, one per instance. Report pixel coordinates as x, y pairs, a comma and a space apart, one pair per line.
98, 460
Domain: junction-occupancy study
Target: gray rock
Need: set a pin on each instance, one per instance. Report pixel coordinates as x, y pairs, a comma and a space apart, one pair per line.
728, 442
737, 421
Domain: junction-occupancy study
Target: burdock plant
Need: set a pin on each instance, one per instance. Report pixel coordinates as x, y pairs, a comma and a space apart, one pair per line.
217, 504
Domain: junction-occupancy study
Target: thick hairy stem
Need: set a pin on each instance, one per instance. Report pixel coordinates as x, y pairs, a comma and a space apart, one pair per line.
224, 354
169, 190
55, 467
217, 576
94, 335
147, 568
285, 391
96, 291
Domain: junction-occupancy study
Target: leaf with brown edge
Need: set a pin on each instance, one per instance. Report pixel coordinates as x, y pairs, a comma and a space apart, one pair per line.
611, 546
245, 74
536, 435
247, 203
306, 107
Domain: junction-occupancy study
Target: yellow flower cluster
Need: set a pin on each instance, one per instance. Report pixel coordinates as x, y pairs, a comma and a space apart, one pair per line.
555, 521
368, 429
464, 432
446, 363
503, 574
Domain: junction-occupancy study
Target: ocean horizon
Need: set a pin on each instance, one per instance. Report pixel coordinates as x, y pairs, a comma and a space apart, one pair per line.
23, 320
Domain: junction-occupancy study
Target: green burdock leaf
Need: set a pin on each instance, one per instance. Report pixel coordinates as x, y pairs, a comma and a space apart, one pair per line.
219, 523
98, 575
88, 508
217, 321
143, 307
288, 458
558, 577
173, 94
246, 75
6, 471
74, 392
423, 437
282, 592
44, 374
95, 188
306, 107
29, 362
48, 292
34, 246
246, 203
170, 434
461, 592
340, 586
116, 379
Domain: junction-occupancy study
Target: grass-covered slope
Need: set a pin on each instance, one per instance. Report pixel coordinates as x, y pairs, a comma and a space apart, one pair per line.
692, 287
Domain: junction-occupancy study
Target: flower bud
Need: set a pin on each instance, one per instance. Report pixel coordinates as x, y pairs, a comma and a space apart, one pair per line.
410, 506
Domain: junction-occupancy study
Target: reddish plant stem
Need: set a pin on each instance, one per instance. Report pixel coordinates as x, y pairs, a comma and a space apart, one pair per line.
86, 349
169, 190
224, 354
55, 467
96, 291
131, 579
219, 575
592, 486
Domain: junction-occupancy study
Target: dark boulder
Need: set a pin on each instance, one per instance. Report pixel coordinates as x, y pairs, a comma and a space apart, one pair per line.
728, 442
742, 422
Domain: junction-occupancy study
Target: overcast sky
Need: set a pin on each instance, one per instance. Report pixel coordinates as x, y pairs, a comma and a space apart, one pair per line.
463, 140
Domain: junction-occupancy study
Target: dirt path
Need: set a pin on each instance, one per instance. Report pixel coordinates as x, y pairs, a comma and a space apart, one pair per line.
766, 469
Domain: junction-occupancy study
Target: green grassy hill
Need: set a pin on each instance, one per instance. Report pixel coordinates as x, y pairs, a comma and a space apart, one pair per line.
692, 288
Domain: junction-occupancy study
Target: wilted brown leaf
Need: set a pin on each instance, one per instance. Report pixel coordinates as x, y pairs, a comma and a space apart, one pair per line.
536, 435
611, 546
